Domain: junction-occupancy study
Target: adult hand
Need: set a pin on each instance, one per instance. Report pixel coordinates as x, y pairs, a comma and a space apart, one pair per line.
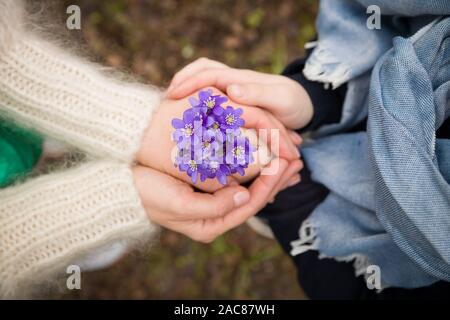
157, 143
174, 204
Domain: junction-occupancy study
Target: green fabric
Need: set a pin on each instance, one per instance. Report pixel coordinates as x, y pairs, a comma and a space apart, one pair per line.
19, 152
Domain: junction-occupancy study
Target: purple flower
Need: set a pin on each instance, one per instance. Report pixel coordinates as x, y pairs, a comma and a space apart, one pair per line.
239, 152
230, 118
242, 163
191, 165
186, 128
209, 140
215, 169
208, 103
207, 145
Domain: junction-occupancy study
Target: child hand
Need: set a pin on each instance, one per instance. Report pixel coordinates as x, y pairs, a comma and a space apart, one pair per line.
283, 97
157, 146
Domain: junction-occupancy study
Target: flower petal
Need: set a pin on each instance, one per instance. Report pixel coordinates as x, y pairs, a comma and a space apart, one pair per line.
194, 102
177, 134
220, 99
240, 170
177, 123
209, 121
225, 169
204, 95
217, 110
194, 177
188, 116
221, 177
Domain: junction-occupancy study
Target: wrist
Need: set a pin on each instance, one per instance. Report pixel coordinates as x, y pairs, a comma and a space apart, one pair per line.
155, 138
302, 105
307, 109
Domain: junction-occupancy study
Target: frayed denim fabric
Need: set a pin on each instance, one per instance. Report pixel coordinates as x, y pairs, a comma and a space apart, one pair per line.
347, 48
389, 201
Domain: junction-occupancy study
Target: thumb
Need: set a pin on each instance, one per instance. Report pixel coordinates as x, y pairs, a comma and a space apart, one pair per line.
279, 99
198, 205
266, 96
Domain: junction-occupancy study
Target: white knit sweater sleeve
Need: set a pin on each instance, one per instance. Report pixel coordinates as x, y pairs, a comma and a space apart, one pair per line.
65, 97
53, 220
59, 217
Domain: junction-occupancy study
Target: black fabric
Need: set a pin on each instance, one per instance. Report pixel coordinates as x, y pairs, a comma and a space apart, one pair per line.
327, 278
327, 103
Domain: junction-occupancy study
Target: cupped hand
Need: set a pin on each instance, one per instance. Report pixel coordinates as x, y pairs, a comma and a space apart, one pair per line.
157, 146
284, 98
175, 205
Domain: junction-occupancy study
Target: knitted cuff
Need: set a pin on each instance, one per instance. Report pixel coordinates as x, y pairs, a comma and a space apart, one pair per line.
59, 217
69, 99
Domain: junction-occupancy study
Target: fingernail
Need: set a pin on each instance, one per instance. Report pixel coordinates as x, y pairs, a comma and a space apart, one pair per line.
240, 198
297, 153
296, 136
235, 90
233, 183
294, 182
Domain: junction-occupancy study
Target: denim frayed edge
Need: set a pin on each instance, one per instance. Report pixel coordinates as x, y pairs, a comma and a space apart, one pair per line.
320, 67
308, 240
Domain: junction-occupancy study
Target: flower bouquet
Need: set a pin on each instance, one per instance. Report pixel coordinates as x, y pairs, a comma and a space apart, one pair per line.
210, 141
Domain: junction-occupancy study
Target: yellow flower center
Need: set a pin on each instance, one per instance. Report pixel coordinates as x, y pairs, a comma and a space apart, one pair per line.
229, 119
238, 152
215, 126
188, 130
193, 165
210, 102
